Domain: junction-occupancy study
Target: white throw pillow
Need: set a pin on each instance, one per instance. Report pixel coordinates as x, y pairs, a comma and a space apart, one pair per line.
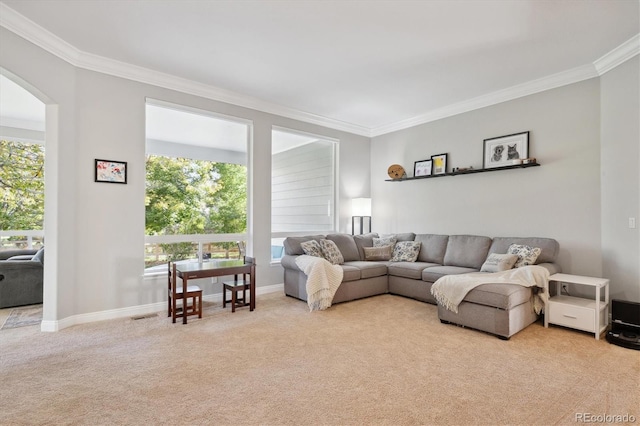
527, 255
499, 262
406, 251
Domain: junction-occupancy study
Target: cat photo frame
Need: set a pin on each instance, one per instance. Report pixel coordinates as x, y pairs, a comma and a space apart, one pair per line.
422, 168
505, 150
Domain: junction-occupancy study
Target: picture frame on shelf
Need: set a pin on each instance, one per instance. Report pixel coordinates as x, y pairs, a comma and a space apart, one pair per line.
110, 171
422, 168
439, 164
505, 150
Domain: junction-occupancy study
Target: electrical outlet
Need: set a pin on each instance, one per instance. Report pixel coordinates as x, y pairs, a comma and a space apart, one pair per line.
632, 222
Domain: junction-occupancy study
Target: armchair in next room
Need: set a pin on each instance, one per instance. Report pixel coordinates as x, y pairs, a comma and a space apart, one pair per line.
21, 277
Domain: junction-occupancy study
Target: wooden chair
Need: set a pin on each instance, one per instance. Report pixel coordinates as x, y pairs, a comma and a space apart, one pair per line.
235, 287
175, 292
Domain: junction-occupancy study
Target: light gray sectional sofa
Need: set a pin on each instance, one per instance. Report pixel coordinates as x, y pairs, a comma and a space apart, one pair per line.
500, 309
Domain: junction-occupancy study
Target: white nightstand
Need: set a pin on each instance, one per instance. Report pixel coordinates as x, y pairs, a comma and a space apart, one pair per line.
582, 314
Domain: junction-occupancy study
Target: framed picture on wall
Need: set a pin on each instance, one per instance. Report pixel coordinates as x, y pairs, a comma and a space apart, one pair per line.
505, 150
422, 168
439, 164
110, 171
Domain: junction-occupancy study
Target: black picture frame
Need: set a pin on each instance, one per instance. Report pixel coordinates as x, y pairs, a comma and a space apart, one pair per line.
422, 168
439, 164
110, 171
505, 150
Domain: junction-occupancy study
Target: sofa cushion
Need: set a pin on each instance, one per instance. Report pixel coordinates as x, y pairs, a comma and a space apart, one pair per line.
22, 257
548, 247
406, 251
346, 245
312, 248
350, 272
292, 244
527, 255
368, 269
502, 296
409, 269
331, 252
468, 251
433, 247
6, 254
406, 236
433, 273
364, 240
499, 262
378, 253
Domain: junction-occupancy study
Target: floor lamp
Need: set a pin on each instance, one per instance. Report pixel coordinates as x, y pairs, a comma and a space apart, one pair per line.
361, 209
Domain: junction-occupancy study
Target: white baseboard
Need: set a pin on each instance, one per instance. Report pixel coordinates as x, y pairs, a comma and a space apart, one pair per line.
136, 310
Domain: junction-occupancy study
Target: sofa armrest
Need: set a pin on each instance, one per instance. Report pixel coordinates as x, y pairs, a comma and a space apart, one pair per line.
289, 262
553, 268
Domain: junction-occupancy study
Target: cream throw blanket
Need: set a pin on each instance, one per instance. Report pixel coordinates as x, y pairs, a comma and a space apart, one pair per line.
323, 279
451, 289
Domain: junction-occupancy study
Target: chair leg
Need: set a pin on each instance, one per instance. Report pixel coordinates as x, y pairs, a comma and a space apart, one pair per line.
233, 300
200, 306
224, 296
173, 309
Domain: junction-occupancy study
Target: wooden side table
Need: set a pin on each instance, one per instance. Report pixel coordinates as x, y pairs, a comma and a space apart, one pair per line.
576, 312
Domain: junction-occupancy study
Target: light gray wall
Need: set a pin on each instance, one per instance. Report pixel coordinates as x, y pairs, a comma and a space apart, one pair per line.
620, 135
560, 199
95, 231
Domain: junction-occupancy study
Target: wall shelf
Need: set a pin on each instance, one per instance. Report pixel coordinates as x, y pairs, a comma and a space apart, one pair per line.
467, 172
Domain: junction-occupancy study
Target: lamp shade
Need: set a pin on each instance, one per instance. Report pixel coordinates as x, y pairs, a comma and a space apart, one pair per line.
361, 207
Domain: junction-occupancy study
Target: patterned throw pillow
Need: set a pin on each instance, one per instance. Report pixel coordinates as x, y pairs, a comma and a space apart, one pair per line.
406, 251
384, 241
499, 262
378, 253
527, 255
312, 248
331, 252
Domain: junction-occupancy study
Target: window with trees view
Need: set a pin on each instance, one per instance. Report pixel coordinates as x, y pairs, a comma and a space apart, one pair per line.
196, 186
21, 191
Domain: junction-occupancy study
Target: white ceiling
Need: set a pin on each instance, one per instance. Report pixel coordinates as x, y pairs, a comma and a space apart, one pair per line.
365, 66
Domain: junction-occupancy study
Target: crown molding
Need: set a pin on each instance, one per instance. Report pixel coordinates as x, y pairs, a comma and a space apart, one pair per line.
39, 36
540, 85
144, 75
617, 56
30, 31
48, 41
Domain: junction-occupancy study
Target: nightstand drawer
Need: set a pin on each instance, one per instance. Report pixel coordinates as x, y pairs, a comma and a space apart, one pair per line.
572, 316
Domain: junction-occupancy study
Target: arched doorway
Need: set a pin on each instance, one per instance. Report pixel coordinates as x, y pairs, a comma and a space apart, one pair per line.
22, 135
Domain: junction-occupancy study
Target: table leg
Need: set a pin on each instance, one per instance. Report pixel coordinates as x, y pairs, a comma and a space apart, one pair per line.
174, 302
252, 289
184, 299
597, 318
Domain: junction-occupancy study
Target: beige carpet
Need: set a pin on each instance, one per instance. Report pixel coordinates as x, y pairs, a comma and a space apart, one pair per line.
385, 360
